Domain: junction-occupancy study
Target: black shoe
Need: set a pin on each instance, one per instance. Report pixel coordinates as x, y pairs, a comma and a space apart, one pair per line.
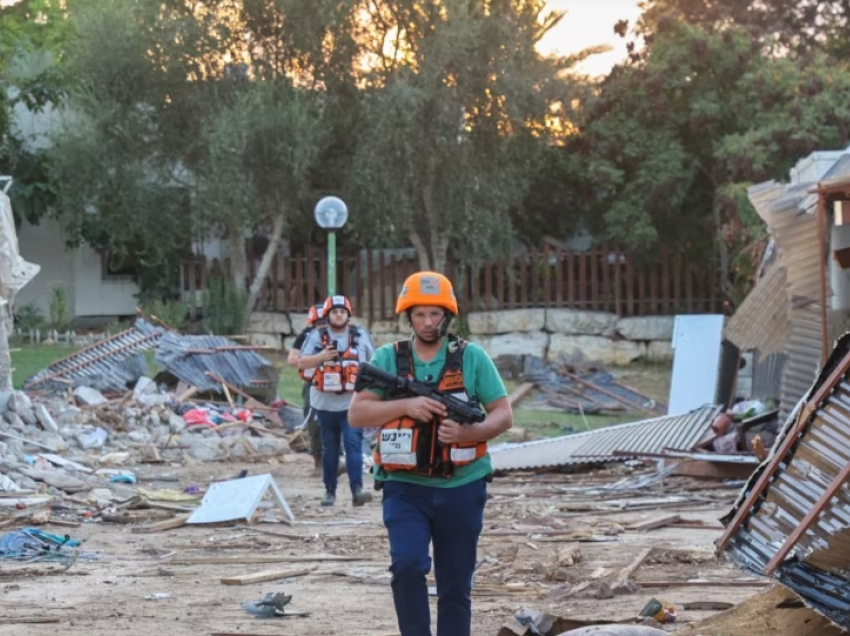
329, 499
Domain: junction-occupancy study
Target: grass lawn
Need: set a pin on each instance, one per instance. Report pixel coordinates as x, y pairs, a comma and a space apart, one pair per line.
28, 359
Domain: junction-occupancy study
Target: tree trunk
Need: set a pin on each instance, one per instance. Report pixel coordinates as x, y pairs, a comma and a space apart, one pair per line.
439, 240
725, 273
5, 355
421, 250
238, 258
265, 265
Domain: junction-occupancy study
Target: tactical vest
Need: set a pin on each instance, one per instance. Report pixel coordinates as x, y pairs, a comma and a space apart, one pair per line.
336, 376
407, 445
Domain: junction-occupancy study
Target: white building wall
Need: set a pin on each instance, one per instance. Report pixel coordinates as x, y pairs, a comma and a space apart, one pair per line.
78, 271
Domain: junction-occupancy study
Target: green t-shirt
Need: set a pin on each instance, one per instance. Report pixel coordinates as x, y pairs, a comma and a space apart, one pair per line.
481, 380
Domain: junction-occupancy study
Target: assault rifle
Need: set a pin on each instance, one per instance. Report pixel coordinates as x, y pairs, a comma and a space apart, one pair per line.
371, 377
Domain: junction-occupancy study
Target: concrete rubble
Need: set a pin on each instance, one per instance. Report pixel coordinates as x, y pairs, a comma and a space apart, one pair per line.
147, 426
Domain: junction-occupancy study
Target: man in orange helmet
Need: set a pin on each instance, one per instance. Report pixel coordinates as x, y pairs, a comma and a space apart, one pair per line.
329, 360
433, 471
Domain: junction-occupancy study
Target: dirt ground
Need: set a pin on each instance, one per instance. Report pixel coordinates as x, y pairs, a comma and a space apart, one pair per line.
529, 519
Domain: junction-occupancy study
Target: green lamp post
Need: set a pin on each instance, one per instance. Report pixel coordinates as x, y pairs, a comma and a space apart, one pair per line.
331, 213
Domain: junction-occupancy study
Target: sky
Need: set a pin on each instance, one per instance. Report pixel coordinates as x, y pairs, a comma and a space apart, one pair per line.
587, 23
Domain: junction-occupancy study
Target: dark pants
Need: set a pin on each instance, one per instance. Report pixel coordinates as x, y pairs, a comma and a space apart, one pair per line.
335, 428
450, 517
312, 424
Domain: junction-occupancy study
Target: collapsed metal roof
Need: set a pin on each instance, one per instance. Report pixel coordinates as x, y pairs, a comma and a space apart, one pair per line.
680, 432
761, 321
200, 360
108, 365
117, 362
792, 519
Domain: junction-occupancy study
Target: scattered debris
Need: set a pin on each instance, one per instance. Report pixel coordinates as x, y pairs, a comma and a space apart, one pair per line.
272, 606
790, 520
609, 444
237, 499
575, 390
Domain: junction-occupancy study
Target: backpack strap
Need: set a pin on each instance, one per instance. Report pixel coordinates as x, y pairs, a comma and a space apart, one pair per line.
404, 359
454, 356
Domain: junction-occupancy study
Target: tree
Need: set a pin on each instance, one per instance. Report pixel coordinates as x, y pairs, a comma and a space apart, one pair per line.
261, 150
677, 132
33, 34
455, 117
800, 27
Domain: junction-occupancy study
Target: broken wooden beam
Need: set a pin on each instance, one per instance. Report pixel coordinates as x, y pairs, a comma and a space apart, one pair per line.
264, 576
654, 524
520, 393
225, 560
169, 524
627, 572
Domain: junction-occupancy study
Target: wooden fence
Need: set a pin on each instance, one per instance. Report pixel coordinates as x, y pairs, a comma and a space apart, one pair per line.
600, 279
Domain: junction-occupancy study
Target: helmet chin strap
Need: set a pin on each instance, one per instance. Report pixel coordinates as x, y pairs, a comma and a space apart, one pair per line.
443, 327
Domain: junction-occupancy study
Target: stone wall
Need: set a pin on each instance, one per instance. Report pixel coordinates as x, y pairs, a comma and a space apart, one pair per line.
548, 333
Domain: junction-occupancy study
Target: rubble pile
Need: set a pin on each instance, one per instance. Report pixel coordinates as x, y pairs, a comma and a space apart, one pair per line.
148, 425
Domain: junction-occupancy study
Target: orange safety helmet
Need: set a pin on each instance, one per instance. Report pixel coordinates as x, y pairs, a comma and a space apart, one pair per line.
316, 313
427, 288
336, 302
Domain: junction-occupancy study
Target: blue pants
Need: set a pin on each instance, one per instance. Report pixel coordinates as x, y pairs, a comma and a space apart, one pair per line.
450, 517
334, 426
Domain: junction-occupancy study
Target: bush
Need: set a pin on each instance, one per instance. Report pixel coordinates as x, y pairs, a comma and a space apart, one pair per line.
171, 312
223, 307
29, 317
60, 311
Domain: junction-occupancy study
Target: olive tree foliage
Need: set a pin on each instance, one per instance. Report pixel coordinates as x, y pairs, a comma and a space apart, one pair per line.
33, 35
676, 133
109, 165
453, 120
260, 152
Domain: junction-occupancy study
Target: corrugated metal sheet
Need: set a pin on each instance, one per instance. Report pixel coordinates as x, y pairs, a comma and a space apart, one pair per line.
761, 321
767, 375
798, 503
116, 363
109, 365
193, 358
679, 432
799, 254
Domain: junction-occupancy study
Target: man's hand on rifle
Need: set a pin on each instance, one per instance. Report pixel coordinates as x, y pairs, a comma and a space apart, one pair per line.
450, 432
424, 409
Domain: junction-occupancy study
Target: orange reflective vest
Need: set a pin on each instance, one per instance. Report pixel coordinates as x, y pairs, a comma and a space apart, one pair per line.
408, 445
340, 375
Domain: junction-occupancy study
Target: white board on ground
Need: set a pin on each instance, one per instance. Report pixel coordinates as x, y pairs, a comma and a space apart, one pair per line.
237, 499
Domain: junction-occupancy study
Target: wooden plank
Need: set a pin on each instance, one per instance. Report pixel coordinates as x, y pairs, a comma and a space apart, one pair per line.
265, 575
370, 285
500, 284
618, 282
627, 572
571, 278
271, 558
488, 284
535, 280
520, 392
631, 308
654, 524
169, 524
666, 584
559, 277
382, 285
547, 276
583, 293
17, 620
